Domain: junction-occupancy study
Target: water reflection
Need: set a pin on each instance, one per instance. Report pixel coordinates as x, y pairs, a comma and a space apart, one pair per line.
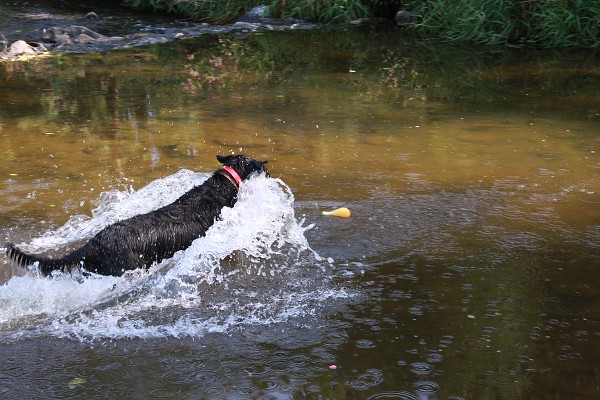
472, 178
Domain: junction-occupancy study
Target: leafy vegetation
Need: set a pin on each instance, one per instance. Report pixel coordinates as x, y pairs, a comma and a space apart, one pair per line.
215, 11
321, 10
548, 23
479, 21
565, 23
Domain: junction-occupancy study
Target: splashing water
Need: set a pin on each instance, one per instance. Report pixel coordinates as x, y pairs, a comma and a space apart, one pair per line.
118, 205
254, 266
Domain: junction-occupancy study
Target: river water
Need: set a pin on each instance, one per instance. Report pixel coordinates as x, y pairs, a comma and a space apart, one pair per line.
469, 268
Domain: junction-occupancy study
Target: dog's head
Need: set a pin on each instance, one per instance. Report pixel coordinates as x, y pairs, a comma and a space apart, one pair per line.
243, 165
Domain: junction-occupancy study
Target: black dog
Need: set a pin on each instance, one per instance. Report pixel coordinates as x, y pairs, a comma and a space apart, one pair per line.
140, 241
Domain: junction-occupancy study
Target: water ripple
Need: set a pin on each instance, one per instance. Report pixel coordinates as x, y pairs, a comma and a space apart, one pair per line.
394, 395
365, 344
420, 368
371, 378
426, 390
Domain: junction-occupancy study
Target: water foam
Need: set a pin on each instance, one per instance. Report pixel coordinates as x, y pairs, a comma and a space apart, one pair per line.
254, 266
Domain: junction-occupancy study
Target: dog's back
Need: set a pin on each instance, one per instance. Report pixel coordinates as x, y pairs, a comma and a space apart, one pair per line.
140, 241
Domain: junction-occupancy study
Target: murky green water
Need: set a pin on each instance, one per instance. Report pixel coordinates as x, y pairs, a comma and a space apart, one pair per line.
472, 255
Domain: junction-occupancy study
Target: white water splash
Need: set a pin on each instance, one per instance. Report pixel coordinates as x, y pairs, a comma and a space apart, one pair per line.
254, 266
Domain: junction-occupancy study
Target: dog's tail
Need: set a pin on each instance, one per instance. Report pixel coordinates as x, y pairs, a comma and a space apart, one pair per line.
44, 264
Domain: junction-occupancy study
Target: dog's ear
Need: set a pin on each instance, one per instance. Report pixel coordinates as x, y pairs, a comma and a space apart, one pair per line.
223, 159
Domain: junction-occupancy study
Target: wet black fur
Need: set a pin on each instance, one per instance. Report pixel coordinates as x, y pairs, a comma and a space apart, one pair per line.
140, 241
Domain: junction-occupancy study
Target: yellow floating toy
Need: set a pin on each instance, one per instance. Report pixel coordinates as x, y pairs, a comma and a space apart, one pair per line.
341, 212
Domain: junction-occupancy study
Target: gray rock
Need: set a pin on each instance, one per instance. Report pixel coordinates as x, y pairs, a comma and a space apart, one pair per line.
256, 14
84, 39
60, 36
21, 48
403, 18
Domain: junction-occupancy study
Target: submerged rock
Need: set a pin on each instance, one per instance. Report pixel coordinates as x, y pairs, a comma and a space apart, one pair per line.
58, 36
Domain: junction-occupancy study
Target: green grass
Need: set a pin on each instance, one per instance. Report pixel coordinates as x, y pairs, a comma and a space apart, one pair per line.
214, 11
545, 23
485, 22
566, 23
321, 10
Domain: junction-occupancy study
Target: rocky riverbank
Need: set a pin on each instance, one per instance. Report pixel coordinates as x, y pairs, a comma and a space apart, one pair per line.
25, 35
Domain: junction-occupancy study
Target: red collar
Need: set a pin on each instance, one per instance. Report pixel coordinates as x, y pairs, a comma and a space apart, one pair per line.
231, 176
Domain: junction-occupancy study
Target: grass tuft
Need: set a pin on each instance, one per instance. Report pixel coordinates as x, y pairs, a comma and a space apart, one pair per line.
548, 23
